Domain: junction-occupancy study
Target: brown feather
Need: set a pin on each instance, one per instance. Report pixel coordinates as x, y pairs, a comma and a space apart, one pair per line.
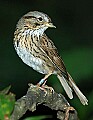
51, 51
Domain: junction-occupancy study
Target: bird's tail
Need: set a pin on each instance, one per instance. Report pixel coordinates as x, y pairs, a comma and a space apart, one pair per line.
65, 86
80, 95
68, 90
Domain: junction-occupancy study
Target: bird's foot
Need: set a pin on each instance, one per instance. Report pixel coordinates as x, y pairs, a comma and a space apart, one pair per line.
68, 109
45, 88
48, 88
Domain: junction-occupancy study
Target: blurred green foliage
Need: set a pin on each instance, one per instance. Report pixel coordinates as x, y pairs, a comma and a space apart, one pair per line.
38, 117
7, 102
73, 37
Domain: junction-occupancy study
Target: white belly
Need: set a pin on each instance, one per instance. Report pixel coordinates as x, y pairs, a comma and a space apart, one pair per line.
30, 60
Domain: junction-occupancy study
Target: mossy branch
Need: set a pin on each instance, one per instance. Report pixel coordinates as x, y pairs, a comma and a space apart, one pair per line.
53, 100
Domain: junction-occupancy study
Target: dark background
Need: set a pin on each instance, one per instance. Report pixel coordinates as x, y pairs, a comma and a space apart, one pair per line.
73, 37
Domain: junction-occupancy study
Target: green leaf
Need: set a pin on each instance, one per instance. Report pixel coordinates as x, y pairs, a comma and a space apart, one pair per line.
6, 90
38, 117
6, 105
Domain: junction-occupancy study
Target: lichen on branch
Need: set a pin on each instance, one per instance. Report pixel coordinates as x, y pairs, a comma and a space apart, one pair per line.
36, 96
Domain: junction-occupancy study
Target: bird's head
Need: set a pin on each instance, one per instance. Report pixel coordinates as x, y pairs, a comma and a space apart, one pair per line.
35, 20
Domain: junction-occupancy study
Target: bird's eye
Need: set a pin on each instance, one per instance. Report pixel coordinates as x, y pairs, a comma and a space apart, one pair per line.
40, 19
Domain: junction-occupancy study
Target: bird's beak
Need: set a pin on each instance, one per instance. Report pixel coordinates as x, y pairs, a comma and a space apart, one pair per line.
50, 25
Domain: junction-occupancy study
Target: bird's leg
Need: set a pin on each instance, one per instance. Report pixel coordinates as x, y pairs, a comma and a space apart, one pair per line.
43, 81
67, 114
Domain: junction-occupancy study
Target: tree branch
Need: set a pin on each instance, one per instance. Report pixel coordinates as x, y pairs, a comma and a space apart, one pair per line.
53, 100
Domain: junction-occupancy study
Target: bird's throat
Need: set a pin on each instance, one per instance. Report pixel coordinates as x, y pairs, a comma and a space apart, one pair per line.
35, 32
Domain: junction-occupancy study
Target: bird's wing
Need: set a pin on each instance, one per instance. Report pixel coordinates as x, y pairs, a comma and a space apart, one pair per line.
48, 47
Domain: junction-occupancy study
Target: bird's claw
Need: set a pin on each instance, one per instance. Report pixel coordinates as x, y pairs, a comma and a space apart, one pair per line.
46, 88
68, 109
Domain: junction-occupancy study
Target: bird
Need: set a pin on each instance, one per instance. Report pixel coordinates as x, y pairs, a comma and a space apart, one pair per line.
38, 51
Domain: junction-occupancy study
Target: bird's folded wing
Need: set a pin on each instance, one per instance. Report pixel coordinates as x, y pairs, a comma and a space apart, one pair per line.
51, 52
